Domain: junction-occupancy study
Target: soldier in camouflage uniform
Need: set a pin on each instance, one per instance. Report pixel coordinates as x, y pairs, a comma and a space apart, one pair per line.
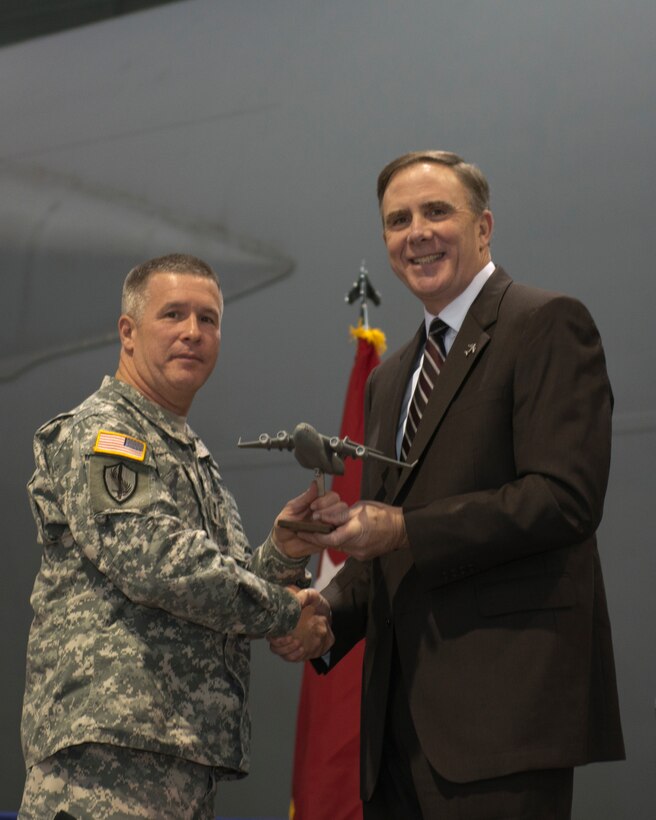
148, 593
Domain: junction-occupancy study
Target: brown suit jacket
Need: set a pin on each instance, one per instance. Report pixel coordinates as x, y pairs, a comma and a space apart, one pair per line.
498, 607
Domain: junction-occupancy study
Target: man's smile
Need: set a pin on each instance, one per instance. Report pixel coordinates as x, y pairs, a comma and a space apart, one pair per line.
427, 260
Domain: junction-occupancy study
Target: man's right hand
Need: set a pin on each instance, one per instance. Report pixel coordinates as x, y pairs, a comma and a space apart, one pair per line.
312, 637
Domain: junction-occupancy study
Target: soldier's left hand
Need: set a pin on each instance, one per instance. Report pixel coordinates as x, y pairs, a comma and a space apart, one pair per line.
309, 507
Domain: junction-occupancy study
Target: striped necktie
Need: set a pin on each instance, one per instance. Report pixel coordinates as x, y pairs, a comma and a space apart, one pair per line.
430, 370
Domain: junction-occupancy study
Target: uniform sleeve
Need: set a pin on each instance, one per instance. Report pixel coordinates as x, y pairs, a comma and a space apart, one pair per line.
124, 516
268, 562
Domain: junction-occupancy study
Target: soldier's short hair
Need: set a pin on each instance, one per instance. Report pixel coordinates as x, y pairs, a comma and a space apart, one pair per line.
472, 178
134, 287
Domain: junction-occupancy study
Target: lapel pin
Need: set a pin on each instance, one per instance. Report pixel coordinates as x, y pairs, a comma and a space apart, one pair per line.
471, 348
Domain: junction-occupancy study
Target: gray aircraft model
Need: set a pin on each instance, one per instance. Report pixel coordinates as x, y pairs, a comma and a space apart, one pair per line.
323, 454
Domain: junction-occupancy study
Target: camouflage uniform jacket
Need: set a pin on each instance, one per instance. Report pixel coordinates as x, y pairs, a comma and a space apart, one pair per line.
148, 592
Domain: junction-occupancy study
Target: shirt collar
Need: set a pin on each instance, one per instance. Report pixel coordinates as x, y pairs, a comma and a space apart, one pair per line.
175, 426
454, 313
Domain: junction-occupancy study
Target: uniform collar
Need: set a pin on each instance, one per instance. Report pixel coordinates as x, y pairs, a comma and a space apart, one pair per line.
174, 426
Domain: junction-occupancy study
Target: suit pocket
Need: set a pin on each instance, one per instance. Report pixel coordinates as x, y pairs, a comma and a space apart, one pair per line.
531, 593
475, 399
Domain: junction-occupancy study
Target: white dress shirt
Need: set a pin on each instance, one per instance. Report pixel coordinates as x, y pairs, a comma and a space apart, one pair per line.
453, 315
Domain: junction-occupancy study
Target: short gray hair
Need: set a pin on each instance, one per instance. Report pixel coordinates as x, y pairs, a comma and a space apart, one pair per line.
134, 287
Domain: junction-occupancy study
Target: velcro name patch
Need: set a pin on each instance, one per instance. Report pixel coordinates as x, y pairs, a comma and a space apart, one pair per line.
118, 444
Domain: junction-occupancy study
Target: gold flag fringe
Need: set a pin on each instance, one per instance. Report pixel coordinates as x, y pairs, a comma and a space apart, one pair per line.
372, 335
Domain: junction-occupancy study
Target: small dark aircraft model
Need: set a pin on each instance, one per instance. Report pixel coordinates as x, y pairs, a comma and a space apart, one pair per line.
323, 454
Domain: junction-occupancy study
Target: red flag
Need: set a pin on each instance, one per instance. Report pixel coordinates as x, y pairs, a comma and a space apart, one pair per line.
326, 779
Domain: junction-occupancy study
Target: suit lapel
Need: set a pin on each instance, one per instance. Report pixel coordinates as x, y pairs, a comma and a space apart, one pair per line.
467, 348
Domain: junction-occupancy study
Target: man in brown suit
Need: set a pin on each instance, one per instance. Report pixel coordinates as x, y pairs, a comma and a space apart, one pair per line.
474, 573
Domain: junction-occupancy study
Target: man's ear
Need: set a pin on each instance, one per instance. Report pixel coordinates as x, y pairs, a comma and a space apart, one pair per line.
126, 331
485, 228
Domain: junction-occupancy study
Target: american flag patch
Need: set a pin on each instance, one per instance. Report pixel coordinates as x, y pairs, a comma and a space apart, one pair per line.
118, 444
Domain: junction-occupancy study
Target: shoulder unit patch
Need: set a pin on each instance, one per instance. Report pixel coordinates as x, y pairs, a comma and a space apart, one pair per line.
118, 444
120, 481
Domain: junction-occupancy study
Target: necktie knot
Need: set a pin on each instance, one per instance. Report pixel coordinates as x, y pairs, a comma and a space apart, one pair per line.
437, 332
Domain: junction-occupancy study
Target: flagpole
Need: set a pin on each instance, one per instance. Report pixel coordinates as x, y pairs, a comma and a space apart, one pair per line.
363, 289
325, 782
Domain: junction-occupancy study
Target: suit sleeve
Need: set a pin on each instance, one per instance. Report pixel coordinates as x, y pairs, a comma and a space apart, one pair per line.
348, 596
560, 410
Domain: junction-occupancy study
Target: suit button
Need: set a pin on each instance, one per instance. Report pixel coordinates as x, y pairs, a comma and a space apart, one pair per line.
388, 622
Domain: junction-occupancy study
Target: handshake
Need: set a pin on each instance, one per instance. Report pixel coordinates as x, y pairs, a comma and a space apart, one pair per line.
364, 531
312, 637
